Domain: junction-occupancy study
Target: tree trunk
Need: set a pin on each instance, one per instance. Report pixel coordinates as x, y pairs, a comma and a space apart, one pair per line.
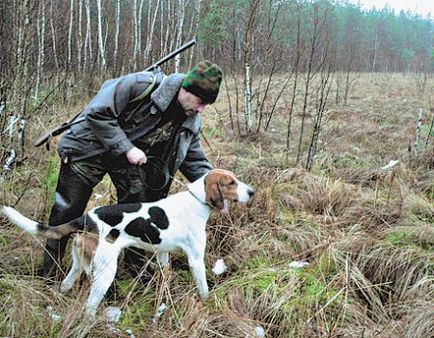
118, 20
80, 35
88, 53
71, 22
102, 60
41, 47
151, 33
53, 37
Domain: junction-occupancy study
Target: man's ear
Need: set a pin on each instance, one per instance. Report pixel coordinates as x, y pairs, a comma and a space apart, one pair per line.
214, 196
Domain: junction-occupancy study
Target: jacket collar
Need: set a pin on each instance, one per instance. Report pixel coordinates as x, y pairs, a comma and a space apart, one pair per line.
164, 94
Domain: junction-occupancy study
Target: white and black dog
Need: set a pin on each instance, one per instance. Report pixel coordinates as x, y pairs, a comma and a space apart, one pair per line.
176, 222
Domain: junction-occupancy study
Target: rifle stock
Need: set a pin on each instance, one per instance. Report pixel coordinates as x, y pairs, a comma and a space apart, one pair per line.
67, 124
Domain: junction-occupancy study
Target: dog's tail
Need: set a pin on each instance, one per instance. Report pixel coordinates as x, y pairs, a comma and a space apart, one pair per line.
39, 229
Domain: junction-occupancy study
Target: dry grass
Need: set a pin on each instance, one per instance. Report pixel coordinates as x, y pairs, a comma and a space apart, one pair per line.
367, 234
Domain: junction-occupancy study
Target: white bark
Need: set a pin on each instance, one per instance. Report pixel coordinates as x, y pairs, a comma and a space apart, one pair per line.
162, 23
88, 38
21, 129
41, 46
248, 98
71, 22
53, 35
80, 34
151, 33
7, 166
136, 34
418, 128
10, 129
100, 36
118, 19
139, 30
181, 19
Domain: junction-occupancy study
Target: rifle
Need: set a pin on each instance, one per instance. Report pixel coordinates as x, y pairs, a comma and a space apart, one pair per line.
75, 119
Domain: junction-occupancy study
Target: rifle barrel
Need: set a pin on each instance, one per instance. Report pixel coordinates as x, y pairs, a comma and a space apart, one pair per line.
171, 55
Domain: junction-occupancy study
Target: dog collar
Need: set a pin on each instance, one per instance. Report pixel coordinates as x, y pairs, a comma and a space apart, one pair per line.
197, 198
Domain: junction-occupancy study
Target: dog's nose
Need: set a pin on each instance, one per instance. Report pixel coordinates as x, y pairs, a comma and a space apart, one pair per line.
251, 192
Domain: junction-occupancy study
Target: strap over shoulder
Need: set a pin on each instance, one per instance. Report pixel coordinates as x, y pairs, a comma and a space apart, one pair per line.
155, 78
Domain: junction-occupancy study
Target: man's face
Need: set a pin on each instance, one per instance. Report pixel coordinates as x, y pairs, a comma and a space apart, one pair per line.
191, 103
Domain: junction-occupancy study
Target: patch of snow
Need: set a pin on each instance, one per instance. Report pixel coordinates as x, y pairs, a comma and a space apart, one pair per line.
390, 165
53, 315
259, 331
298, 264
160, 311
219, 267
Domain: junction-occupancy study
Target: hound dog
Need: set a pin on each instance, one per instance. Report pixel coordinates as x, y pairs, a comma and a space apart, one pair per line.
176, 222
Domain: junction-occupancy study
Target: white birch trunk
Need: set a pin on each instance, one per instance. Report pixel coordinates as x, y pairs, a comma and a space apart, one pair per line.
139, 31
53, 36
41, 46
248, 98
418, 128
88, 53
71, 22
151, 33
162, 27
21, 129
7, 166
100, 37
118, 19
80, 35
136, 34
180, 22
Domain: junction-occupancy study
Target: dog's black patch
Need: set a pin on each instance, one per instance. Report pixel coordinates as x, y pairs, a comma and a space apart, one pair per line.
113, 214
113, 235
159, 217
143, 229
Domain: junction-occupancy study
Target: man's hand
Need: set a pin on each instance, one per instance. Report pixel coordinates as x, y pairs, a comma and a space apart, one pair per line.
136, 156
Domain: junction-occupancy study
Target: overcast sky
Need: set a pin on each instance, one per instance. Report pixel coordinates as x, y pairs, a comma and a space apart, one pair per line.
422, 7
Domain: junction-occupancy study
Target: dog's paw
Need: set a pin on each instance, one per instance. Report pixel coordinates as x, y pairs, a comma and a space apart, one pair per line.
65, 287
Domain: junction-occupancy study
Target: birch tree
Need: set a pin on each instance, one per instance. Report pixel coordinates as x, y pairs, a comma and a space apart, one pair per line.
53, 36
101, 45
117, 23
71, 23
151, 32
88, 54
41, 47
80, 35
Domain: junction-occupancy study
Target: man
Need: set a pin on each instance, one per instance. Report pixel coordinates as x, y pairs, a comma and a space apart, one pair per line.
133, 118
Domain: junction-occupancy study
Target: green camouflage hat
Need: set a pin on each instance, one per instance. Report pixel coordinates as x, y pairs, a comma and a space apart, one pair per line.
204, 81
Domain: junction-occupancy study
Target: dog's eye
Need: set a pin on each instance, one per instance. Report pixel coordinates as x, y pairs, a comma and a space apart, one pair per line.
232, 182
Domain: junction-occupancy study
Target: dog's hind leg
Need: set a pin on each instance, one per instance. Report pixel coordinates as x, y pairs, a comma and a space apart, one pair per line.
104, 270
76, 269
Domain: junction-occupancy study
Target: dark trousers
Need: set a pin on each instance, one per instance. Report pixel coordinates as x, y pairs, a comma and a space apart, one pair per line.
74, 188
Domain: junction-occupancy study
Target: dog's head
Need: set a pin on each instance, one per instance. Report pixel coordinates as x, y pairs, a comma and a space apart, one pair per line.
221, 186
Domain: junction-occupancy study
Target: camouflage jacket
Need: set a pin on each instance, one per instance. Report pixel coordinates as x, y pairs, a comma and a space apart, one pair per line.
113, 122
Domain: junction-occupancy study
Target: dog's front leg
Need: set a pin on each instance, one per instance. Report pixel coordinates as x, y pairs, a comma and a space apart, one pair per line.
196, 260
163, 259
105, 266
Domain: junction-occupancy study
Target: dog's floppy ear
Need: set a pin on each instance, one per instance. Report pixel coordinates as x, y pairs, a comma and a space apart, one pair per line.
214, 195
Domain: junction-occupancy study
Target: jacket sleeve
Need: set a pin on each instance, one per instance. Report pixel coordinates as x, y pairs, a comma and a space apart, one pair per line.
104, 110
195, 164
